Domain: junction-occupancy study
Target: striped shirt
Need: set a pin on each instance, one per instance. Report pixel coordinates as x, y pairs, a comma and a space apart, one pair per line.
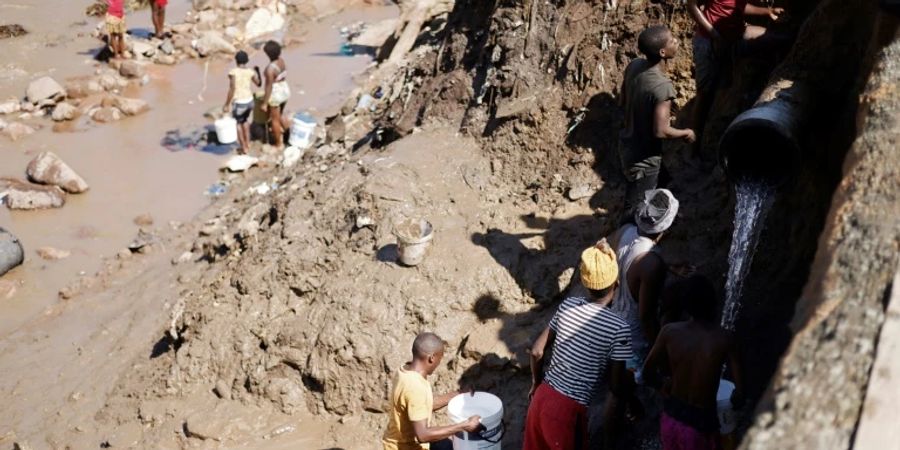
588, 335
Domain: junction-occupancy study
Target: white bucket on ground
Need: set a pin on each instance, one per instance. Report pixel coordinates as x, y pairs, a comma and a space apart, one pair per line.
302, 127
413, 238
226, 130
727, 419
483, 404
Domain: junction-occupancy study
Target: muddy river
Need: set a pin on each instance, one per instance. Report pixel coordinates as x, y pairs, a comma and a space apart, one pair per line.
129, 171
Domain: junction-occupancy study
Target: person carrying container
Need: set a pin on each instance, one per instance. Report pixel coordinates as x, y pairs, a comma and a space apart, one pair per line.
412, 402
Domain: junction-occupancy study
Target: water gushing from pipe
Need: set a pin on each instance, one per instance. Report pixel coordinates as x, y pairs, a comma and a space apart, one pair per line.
754, 199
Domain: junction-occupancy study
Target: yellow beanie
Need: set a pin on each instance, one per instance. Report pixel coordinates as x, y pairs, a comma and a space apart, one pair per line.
599, 269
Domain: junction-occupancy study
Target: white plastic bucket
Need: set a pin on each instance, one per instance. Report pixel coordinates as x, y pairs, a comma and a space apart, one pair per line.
226, 130
483, 404
302, 128
727, 419
413, 240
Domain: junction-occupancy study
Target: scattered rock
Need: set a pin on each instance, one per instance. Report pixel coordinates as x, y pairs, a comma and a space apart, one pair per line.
212, 42
44, 88
132, 69
207, 16
233, 33
222, 390
130, 106
167, 47
11, 31
64, 111
153, 412
143, 220
53, 254
200, 5
10, 106
143, 48
16, 130
262, 22
47, 168
126, 436
11, 252
22, 195
579, 192
106, 114
142, 242
166, 60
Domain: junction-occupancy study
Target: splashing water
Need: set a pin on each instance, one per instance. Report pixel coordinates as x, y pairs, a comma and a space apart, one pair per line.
754, 198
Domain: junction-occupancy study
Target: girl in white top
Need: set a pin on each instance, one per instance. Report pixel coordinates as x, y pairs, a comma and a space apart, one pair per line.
240, 97
277, 90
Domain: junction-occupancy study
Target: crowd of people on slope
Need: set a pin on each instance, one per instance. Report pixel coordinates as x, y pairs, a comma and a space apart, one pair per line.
622, 324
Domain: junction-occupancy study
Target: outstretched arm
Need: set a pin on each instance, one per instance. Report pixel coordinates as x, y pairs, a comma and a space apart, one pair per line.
753, 10
662, 125
424, 433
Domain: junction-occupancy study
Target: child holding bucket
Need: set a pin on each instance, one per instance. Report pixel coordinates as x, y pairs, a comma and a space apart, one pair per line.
412, 402
694, 351
240, 97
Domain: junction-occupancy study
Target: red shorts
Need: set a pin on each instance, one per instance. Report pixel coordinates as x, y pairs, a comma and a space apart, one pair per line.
161, 3
676, 435
555, 422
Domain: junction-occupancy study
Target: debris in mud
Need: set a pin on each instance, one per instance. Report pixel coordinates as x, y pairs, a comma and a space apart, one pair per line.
106, 114
11, 31
143, 242
240, 163
52, 254
47, 168
143, 220
16, 130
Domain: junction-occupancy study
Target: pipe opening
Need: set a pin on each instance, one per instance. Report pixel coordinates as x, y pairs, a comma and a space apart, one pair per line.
759, 149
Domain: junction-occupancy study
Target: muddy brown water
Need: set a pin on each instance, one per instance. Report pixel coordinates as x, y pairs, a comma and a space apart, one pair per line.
130, 173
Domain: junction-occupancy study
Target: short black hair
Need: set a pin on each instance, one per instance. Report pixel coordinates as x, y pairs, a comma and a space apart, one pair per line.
699, 298
427, 344
272, 49
652, 40
241, 57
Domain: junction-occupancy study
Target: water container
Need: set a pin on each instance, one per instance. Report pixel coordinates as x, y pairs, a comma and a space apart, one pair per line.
302, 128
727, 419
483, 404
226, 130
413, 239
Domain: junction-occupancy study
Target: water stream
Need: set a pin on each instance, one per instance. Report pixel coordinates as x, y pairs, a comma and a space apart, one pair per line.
754, 199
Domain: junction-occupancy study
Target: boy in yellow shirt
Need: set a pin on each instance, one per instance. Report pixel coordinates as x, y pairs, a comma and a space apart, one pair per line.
412, 402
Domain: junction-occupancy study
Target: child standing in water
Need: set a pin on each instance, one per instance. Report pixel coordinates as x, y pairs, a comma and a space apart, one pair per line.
115, 27
240, 97
277, 90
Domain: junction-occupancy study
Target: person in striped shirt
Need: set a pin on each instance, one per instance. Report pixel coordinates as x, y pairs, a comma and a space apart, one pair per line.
589, 343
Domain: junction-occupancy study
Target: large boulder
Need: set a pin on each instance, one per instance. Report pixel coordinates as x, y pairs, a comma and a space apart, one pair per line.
211, 43
130, 106
11, 252
44, 88
22, 195
262, 22
47, 168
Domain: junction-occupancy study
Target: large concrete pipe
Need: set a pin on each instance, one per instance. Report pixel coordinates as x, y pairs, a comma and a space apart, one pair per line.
764, 141
11, 253
769, 141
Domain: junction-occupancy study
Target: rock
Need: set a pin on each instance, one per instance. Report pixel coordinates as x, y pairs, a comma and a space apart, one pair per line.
233, 33
8, 289
10, 106
376, 34
106, 114
22, 195
262, 22
579, 192
43, 89
211, 43
47, 168
200, 5
222, 390
167, 47
131, 69
11, 252
143, 220
166, 60
286, 394
126, 436
207, 16
290, 156
240, 163
565, 279
11, 31
143, 48
142, 241
109, 81
130, 106
64, 111
53, 254
16, 130
24, 445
